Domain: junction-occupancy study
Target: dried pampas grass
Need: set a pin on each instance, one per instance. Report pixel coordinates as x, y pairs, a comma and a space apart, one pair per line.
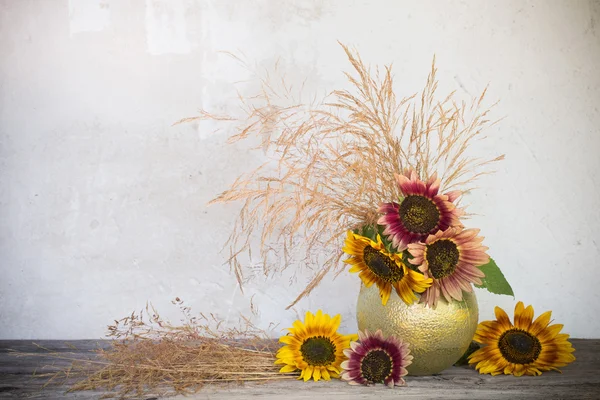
335, 161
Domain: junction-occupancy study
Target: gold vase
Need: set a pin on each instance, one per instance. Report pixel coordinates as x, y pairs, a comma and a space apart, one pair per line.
437, 337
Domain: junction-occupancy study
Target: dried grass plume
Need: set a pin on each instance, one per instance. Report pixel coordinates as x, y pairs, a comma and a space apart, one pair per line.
335, 161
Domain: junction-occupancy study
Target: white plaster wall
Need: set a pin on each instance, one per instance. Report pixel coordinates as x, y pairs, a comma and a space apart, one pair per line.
103, 202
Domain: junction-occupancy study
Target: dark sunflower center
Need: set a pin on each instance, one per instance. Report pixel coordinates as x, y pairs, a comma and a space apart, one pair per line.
519, 346
419, 214
381, 265
318, 350
376, 366
442, 257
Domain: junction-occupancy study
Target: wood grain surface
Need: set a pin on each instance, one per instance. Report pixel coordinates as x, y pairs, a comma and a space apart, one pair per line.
580, 380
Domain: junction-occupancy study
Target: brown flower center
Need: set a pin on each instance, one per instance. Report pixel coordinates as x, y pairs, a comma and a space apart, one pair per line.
381, 265
419, 214
442, 257
519, 346
318, 350
376, 366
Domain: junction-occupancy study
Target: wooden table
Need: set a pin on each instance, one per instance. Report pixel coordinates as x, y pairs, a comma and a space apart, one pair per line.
580, 380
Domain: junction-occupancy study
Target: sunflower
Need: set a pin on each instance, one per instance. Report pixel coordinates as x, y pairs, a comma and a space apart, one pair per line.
376, 359
526, 348
314, 347
451, 258
386, 270
421, 212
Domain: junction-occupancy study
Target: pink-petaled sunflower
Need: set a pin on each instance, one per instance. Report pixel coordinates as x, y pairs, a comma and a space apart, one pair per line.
385, 269
376, 359
421, 212
526, 348
451, 258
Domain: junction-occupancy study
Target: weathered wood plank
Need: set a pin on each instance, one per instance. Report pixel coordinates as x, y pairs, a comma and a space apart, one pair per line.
339, 390
580, 380
34, 346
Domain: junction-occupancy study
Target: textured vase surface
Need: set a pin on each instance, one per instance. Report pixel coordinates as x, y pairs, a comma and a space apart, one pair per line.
437, 337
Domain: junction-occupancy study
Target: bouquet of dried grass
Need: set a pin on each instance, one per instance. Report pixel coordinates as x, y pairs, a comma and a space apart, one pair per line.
336, 159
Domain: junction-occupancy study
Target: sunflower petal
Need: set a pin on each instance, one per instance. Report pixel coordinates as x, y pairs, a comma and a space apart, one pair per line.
308, 373
502, 318
541, 322
288, 368
317, 374
385, 293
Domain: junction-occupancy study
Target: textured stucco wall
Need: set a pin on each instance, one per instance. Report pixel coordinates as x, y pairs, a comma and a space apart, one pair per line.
103, 202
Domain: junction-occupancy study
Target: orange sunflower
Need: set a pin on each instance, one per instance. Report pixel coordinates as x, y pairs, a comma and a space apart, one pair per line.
526, 348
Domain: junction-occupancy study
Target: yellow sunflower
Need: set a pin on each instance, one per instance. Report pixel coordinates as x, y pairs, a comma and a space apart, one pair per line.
526, 348
385, 269
314, 347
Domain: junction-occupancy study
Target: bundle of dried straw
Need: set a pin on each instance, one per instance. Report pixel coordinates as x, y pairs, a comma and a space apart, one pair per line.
151, 356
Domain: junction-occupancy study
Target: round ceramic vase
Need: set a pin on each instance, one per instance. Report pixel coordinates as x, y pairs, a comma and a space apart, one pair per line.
437, 337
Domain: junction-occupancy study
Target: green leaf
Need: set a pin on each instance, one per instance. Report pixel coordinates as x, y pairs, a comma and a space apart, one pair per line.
494, 281
389, 246
371, 232
406, 257
368, 231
